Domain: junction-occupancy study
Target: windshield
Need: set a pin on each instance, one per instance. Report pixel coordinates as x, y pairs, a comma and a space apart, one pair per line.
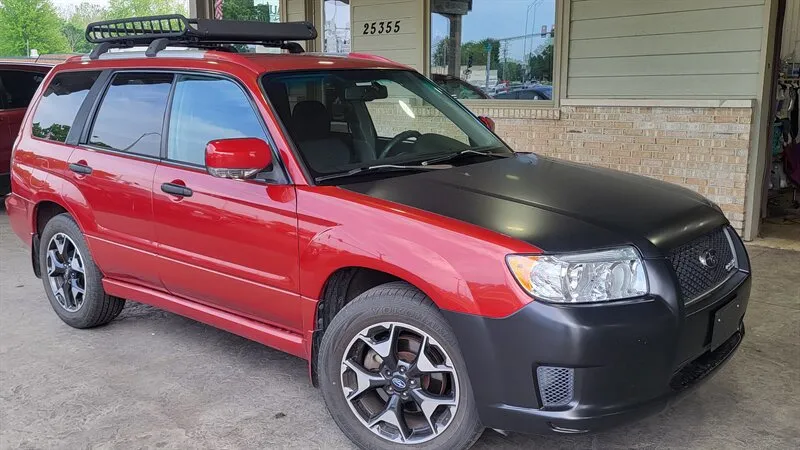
342, 120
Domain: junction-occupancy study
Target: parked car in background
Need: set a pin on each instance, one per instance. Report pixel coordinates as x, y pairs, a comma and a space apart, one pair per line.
436, 281
459, 88
18, 82
528, 93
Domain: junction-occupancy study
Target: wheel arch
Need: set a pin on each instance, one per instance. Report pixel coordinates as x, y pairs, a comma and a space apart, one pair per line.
43, 211
339, 289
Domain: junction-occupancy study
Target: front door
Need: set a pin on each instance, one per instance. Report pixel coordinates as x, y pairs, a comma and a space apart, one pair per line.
225, 243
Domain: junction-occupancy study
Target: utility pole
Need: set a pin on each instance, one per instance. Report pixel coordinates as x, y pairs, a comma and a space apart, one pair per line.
488, 61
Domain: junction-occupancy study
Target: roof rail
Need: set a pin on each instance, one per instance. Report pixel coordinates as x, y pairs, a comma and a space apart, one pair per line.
159, 32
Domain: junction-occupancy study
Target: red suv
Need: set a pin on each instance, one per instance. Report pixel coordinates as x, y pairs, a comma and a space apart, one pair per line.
18, 82
348, 211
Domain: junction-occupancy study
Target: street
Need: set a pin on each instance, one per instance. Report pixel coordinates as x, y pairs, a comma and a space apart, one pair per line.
152, 379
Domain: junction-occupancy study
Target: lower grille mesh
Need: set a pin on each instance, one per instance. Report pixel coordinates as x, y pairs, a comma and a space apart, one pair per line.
556, 385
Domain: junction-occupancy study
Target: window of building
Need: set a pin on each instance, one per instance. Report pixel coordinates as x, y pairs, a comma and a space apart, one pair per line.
255, 10
131, 115
60, 104
497, 46
205, 109
336, 26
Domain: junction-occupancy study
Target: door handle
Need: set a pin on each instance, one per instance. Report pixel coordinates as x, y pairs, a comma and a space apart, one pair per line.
81, 169
176, 189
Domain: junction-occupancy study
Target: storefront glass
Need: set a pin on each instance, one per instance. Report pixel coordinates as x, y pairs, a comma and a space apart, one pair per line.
336, 26
501, 49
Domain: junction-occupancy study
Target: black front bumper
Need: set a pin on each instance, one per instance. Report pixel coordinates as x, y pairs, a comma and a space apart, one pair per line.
630, 359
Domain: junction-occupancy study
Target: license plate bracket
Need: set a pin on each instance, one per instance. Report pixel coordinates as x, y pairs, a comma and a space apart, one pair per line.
726, 322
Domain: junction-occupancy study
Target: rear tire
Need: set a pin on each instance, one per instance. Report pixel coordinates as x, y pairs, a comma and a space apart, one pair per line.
71, 279
421, 402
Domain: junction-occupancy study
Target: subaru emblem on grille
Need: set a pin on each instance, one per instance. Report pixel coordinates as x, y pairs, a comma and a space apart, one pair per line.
708, 258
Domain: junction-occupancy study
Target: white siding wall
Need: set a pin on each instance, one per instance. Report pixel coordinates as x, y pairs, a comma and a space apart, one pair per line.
295, 10
405, 46
687, 49
790, 47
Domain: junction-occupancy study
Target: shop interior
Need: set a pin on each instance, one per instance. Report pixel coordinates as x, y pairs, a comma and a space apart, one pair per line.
780, 213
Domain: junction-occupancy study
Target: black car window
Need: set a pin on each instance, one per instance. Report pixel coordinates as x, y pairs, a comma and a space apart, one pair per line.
205, 109
131, 114
512, 95
530, 94
19, 87
60, 103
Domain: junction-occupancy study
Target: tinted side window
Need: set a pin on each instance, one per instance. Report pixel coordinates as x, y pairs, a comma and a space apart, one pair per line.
19, 87
131, 114
507, 96
60, 103
205, 109
530, 94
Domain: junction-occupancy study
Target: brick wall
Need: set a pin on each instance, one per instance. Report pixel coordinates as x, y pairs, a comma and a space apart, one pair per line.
703, 149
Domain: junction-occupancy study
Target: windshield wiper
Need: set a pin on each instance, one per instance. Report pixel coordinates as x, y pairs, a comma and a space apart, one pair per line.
380, 168
453, 156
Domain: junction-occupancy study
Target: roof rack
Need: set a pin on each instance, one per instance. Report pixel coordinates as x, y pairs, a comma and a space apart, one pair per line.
159, 32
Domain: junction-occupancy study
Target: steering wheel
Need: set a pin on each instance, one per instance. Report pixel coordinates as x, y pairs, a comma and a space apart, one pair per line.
397, 139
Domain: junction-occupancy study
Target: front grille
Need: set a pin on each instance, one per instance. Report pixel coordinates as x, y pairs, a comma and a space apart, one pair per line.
556, 385
696, 274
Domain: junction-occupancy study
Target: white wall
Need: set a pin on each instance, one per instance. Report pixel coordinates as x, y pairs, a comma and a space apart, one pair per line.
665, 48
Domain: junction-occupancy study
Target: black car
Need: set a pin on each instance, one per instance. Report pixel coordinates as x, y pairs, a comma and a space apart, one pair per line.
529, 93
458, 88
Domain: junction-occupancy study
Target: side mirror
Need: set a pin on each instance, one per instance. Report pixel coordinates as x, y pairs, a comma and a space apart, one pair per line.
237, 158
487, 122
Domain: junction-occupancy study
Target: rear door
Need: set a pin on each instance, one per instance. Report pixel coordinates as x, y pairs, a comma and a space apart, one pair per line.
230, 244
113, 168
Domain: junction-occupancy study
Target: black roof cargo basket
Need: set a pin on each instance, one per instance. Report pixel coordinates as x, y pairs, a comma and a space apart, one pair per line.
159, 32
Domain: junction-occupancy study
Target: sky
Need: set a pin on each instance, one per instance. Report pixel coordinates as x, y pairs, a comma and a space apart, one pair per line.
501, 19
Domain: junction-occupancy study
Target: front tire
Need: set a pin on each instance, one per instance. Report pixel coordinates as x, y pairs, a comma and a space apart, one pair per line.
72, 281
392, 375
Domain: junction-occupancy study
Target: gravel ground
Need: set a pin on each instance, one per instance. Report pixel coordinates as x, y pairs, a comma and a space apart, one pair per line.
152, 379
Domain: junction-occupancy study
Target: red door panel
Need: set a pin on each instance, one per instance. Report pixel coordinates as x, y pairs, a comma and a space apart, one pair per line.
10, 121
119, 193
231, 244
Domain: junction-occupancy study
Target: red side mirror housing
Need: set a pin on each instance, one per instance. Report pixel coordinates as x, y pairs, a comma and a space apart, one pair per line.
237, 158
487, 121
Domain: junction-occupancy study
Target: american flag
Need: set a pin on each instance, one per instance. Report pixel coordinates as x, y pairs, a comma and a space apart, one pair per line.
218, 9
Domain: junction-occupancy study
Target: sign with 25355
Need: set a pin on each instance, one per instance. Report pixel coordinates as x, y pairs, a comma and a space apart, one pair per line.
382, 27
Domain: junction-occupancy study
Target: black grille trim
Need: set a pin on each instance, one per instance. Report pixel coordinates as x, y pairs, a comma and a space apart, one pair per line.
556, 385
696, 279
701, 367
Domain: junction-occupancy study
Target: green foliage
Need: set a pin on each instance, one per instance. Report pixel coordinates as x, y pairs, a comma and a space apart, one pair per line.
540, 65
475, 48
245, 10
511, 71
30, 24
129, 8
54, 132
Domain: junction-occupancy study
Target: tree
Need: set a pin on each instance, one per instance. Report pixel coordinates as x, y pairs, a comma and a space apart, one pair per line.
540, 65
30, 24
476, 49
245, 10
75, 20
132, 8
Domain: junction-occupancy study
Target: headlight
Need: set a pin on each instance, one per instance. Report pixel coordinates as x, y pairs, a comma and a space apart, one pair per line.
581, 277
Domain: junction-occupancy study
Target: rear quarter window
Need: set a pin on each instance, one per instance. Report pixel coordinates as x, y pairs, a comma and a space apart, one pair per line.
60, 104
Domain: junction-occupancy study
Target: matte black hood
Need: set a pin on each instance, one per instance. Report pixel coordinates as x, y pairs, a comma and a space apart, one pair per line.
556, 205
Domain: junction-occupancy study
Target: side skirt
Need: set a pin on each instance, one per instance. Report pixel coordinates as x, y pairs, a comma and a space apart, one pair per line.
270, 336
